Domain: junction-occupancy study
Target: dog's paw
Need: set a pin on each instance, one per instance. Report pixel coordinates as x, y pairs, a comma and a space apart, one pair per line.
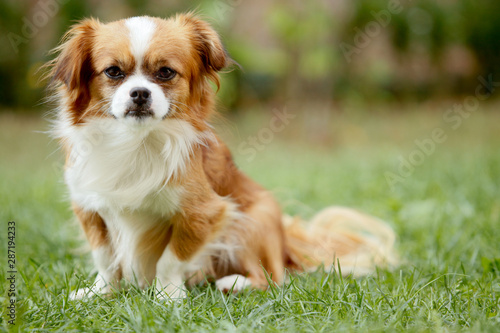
93, 291
82, 293
234, 283
170, 293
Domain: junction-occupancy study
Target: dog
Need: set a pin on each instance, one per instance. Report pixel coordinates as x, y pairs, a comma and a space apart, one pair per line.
156, 191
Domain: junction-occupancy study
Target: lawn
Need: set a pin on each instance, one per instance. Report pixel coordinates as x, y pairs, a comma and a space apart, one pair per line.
442, 197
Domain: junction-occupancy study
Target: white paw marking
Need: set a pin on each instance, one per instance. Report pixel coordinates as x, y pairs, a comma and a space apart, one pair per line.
98, 288
170, 293
233, 282
84, 293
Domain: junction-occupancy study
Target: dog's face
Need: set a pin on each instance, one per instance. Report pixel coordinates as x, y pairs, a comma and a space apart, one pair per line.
139, 70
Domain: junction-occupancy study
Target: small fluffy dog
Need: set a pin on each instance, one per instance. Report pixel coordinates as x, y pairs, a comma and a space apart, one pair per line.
156, 192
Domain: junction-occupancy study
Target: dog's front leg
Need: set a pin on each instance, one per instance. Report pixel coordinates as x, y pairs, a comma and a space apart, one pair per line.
102, 252
107, 278
192, 229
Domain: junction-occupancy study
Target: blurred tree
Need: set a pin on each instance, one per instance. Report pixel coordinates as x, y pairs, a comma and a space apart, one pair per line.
14, 56
482, 34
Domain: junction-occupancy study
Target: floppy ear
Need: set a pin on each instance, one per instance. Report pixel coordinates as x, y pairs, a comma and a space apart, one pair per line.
209, 47
73, 66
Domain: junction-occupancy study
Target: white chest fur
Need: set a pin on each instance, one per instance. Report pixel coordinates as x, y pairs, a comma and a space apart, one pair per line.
113, 165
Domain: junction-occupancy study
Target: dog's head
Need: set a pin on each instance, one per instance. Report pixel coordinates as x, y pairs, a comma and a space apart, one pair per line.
139, 70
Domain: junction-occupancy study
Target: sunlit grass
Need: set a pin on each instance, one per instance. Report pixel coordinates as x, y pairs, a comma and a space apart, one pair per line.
446, 215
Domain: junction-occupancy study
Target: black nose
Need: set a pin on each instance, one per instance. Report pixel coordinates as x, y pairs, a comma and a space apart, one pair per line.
140, 96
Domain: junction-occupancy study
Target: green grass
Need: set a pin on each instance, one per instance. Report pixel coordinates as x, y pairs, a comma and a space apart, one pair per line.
446, 215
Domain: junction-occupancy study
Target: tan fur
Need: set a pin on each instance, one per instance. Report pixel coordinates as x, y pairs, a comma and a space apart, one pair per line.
203, 213
153, 243
214, 189
93, 226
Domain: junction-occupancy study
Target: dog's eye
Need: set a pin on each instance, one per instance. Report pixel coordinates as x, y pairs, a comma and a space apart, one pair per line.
114, 72
165, 74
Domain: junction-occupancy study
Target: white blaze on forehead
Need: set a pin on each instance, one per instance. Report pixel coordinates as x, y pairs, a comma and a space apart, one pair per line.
141, 31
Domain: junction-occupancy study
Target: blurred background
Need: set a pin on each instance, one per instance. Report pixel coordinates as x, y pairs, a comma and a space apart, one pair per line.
319, 52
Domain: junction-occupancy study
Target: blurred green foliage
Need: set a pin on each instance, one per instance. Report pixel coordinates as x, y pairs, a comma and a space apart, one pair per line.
317, 50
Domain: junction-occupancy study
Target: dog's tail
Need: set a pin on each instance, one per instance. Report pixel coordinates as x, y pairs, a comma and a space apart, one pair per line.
336, 234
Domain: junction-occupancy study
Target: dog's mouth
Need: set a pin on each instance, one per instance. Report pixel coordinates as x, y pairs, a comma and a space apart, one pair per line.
139, 113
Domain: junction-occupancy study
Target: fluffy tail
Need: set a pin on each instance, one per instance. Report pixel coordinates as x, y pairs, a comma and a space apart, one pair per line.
358, 241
